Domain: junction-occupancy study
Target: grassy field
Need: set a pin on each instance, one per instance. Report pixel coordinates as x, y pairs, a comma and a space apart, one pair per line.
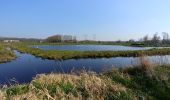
6, 54
144, 82
62, 55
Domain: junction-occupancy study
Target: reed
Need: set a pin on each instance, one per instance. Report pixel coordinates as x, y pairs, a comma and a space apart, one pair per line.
146, 66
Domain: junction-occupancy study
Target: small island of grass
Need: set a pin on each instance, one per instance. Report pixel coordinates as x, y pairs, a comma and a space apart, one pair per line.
6, 54
70, 54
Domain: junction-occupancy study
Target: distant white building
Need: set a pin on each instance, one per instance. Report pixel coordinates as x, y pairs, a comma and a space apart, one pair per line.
7, 41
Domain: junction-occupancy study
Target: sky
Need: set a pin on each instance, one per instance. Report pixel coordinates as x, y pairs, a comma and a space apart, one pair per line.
87, 19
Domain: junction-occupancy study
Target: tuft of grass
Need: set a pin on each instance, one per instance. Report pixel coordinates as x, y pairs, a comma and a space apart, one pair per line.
17, 90
2, 95
145, 81
65, 87
145, 66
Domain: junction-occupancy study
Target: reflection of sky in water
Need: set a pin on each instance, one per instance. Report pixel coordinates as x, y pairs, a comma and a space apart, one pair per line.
159, 59
27, 66
88, 47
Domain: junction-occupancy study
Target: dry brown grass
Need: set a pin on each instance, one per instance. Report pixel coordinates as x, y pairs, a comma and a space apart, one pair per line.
27, 96
89, 86
93, 85
146, 66
2, 96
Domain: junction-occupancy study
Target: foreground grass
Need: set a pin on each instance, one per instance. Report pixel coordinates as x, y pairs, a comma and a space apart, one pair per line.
68, 87
155, 86
62, 55
6, 54
139, 83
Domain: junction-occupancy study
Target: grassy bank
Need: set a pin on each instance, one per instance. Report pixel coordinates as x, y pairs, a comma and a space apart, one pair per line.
139, 83
62, 55
149, 84
6, 54
82, 43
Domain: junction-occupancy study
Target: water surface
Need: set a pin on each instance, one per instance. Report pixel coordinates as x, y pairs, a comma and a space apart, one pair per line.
26, 66
89, 47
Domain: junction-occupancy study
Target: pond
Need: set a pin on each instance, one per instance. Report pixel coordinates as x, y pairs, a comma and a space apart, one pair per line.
26, 66
88, 47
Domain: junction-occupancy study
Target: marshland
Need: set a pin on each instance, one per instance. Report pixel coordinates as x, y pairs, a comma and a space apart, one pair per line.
84, 71
6, 54
84, 50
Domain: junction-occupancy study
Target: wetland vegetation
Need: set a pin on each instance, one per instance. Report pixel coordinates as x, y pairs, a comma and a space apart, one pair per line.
84, 50
145, 81
70, 54
6, 54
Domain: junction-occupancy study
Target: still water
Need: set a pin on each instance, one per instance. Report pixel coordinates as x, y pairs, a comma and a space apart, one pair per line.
26, 66
88, 47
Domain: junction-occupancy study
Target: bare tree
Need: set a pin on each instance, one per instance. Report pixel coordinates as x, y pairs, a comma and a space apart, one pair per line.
165, 36
156, 39
145, 38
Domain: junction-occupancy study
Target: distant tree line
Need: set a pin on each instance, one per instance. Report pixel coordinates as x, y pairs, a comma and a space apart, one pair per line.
53, 39
61, 38
156, 40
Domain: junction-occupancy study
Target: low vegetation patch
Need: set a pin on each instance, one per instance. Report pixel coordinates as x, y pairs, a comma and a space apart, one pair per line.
147, 81
6, 54
62, 55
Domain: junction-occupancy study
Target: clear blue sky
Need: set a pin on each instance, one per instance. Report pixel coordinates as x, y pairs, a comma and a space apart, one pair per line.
107, 19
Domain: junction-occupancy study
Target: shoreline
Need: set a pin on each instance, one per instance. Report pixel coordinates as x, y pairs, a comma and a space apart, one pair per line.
129, 83
68, 54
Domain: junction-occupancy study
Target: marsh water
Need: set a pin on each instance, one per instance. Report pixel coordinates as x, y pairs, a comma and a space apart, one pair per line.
88, 47
26, 66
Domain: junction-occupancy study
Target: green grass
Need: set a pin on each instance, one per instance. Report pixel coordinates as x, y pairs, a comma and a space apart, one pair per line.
81, 43
156, 87
5, 54
62, 55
